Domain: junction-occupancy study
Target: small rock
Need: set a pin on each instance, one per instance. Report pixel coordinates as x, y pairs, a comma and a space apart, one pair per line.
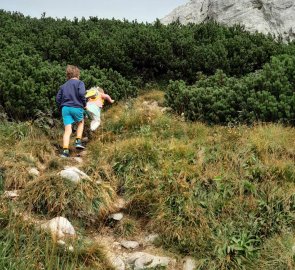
73, 174
189, 264
142, 260
130, 244
117, 216
61, 242
11, 194
59, 227
116, 262
34, 172
71, 248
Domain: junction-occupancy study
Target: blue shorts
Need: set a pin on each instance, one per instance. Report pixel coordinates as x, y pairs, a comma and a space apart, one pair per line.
71, 115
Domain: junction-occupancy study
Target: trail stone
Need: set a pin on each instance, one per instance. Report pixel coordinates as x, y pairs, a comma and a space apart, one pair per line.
59, 227
189, 264
11, 194
73, 174
117, 262
129, 244
142, 260
34, 172
117, 216
61, 242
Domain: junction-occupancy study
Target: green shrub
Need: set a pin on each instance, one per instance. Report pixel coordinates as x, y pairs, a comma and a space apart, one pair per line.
267, 95
28, 85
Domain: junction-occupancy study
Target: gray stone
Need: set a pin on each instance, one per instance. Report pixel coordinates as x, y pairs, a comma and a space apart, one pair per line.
189, 264
34, 172
117, 216
129, 244
73, 174
59, 227
116, 262
142, 260
11, 194
276, 17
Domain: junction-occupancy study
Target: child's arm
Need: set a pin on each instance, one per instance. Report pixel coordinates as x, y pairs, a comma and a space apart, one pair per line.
107, 97
59, 97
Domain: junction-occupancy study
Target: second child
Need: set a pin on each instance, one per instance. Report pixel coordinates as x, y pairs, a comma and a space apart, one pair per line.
95, 101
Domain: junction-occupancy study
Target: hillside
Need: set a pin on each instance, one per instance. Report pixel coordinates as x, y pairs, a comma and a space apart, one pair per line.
222, 195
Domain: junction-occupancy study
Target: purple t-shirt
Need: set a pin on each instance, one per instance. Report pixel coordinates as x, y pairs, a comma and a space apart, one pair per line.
72, 94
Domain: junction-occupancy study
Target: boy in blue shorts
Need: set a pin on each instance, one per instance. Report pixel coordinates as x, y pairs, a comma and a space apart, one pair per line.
71, 99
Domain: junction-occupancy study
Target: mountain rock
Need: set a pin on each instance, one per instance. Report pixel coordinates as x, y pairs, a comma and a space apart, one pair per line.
276, 17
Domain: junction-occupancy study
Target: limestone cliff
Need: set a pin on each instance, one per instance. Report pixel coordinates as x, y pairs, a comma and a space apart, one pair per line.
267, 16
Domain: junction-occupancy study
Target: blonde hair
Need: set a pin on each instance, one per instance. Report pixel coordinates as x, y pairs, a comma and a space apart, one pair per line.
72, 72
100, 90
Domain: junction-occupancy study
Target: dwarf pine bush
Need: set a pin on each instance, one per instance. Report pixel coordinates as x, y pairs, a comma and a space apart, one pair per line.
266, 95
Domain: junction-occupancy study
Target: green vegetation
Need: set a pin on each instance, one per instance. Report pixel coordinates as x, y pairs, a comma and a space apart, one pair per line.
223, 194
22, 246
266, 95
119, 54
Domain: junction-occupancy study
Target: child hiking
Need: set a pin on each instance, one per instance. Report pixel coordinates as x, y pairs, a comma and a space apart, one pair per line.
95, 101
71, 99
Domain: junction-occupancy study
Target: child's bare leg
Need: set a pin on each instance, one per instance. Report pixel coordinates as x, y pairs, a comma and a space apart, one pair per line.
67, 135
80, 129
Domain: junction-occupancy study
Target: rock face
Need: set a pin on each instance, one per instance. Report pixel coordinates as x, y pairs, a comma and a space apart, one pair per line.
266, 16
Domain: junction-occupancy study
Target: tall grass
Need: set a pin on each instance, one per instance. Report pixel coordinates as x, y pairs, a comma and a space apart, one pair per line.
23, 247
217, 193
224, 195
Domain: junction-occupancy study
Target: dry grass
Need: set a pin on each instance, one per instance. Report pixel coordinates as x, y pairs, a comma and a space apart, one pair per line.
224, 195
51, 195
216, 193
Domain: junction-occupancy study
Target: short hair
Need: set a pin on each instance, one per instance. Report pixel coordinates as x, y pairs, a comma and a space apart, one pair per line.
72, 71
